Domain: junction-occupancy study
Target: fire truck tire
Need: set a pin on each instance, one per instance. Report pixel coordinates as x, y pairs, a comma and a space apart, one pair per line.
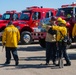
26, 37
42, 43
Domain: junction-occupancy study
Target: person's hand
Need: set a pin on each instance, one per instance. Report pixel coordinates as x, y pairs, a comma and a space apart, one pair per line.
48, 27
73, 39
3, 44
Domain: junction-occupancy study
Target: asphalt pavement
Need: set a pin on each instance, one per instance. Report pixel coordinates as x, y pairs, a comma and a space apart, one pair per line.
32, 60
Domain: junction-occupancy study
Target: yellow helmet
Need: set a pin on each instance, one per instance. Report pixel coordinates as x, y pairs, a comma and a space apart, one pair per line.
63, 22
59, 19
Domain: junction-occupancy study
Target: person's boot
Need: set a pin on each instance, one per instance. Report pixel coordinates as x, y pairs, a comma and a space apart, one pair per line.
54, 63
47, 63
6, 63
16, 63
67, 64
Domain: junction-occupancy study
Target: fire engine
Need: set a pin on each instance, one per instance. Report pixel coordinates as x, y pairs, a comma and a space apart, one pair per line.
66, 12
28, 24
6, 17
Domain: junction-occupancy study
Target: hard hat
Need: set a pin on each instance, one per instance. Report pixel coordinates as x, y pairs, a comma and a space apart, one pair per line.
59, 19
53, 18
63, 22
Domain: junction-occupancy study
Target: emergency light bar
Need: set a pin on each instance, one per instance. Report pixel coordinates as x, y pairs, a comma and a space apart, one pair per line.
32, 7
13, 11
69, 5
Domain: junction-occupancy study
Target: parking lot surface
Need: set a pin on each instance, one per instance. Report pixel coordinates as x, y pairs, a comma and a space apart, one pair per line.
32, 60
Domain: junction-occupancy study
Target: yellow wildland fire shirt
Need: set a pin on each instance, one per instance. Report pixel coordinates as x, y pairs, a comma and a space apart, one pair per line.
74, 31
61, 31
11, 36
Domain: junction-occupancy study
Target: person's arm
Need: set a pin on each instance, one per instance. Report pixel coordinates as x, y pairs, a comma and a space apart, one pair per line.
73, 31
55, 27
46, 27
4, 37
18, 36
63, 30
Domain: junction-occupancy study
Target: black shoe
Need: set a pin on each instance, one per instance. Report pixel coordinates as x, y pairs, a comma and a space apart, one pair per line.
67, 64
46, 63
16, 64
54, 63
57, 64
6, 63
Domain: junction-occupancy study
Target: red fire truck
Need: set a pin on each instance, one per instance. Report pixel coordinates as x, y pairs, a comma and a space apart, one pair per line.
6, 17
28, 24
67, 12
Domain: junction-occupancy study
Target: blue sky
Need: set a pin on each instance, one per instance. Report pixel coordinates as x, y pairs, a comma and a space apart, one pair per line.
22, 4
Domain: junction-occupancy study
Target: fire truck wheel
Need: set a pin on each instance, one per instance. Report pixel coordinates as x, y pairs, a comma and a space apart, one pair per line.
42, 43
26, 37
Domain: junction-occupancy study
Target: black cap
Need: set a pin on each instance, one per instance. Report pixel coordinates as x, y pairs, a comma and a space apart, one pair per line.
53, 18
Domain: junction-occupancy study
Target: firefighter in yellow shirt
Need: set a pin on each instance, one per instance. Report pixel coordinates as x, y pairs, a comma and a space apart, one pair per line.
61, 32
74, 33
10, 39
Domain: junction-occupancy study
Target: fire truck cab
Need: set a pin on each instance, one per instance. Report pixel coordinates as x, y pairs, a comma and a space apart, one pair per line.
68, 12
29, 22
6, 17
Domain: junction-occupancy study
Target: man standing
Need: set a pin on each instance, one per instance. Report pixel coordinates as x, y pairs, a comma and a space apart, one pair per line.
10, 39
50, 42
61, 33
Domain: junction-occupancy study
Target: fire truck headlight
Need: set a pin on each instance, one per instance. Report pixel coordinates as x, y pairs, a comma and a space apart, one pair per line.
36, 29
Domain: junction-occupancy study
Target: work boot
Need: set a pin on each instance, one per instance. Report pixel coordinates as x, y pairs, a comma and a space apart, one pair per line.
6, 63
46, 63
54, 63
67, 64
16, 63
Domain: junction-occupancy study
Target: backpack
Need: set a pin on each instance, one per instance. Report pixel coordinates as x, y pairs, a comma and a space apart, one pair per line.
66, 40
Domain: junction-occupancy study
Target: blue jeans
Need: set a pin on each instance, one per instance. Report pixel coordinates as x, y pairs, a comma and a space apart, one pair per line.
51, 50
12, 50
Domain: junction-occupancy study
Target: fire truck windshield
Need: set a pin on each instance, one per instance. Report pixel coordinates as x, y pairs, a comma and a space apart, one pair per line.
25, 16
5, 17
65, 11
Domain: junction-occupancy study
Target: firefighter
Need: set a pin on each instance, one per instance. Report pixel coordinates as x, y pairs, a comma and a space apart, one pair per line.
61, 32
10, 39
51, 42
59, 19
74, 33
